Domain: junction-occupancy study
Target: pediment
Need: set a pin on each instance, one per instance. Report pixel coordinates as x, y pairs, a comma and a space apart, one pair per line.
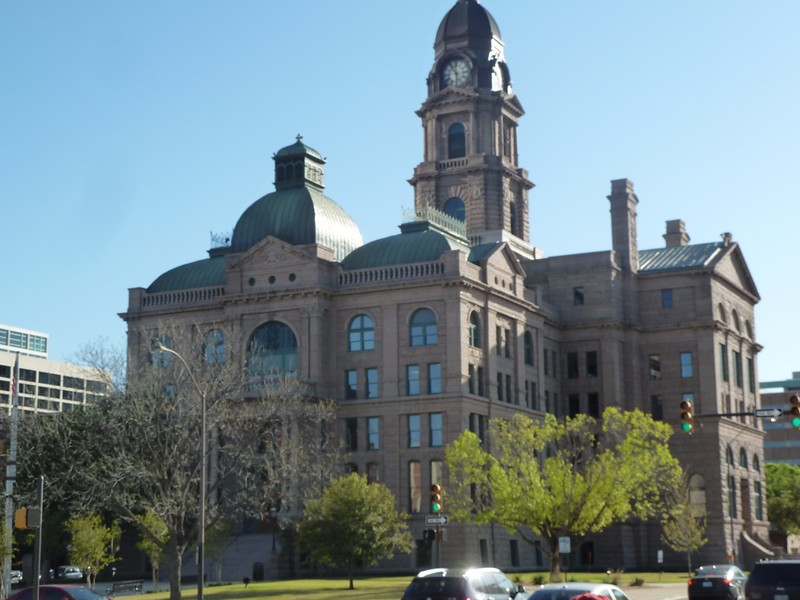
270, 250
732, 267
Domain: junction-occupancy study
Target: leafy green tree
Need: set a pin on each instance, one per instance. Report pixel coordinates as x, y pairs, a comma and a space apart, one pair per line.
683, 529
154, 535
92, 545
557, 478
353, 524
138, 448
783, 491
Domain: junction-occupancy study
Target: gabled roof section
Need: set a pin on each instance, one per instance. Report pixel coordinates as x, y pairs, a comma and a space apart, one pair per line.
675, 258
481, 253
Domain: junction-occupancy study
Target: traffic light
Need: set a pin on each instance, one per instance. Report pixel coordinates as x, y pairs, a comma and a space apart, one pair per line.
436, 498
687, 417
794, 410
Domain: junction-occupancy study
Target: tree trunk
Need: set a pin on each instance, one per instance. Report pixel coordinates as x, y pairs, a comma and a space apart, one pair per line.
555, 559
175, 560
350, 575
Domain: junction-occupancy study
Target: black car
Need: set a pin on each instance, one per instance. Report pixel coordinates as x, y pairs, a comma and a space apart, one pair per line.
774, 580
463, 584
725, 582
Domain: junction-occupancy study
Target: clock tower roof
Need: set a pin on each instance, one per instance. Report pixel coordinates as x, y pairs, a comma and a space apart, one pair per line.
467, 23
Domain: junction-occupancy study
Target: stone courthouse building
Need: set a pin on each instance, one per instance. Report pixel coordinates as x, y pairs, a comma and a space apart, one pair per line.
459, 319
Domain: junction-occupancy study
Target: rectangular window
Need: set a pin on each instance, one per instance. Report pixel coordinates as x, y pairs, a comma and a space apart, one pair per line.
732, 496
437, 436
738, 377
372, 382
759, 501
373, 433
472, 383
352, 434
572, 365
545, 363
509, 396
514, 549
414, 487
654, 366
477, 425
657, 407
593, 404
412, 380
508, 340
414, 433
666, 298
574, 405
547, 401
351, 384
686, 365
434, 378
723, 361
578, 298
437, 471
500, 387
498, 332
591, 364
751, 375
481, 388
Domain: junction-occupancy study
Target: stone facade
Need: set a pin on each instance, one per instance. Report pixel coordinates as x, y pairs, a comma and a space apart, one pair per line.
503, 329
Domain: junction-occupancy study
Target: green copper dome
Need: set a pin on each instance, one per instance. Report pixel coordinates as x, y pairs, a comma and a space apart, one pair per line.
297, 212
201, 273
419, 241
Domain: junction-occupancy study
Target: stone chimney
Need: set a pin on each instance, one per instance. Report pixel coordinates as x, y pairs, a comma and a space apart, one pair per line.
676, 234
623, 224
727, 238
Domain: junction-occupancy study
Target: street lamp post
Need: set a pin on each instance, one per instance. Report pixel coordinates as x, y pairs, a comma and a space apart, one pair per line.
201, 533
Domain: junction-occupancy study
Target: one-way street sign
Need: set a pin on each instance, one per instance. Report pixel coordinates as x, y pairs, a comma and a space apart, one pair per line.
436, 520
768, 413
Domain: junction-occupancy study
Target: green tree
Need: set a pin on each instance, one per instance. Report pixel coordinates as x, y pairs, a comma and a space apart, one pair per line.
153, 540
92, 545
557, 478
683, 529
353, 524
783, 491
138, 449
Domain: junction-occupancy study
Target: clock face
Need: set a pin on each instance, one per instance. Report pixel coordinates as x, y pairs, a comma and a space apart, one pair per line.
456, 73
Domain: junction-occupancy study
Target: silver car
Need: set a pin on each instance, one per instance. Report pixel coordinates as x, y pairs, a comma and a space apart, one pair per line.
567, 591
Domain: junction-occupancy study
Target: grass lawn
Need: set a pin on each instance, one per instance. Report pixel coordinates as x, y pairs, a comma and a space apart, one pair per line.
373, 588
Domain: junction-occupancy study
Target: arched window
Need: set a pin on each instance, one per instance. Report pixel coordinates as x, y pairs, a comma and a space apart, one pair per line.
756, 463
474, 330
730, 456
697, 495
528, 343
742, 458
456, 141
736, 322
723, 316
423, 331
280, 172
272, 352
455, 208
289, 172
361, 334
214, 347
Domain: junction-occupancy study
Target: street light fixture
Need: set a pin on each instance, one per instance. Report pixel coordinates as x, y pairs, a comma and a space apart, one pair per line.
201, 534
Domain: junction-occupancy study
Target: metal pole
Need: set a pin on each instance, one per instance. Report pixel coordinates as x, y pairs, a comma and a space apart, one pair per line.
201, 530
37, 544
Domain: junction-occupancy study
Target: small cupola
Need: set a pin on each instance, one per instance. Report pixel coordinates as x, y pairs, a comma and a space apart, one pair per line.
297, 166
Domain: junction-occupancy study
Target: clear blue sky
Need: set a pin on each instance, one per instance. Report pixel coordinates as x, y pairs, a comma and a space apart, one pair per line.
130, 130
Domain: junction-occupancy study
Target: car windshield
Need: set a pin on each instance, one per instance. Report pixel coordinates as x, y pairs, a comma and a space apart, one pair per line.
84, 594
712, 571
436, 586
557, 594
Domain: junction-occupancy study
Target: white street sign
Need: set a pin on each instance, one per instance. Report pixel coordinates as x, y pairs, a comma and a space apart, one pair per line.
768, 413
564, 546
436, 520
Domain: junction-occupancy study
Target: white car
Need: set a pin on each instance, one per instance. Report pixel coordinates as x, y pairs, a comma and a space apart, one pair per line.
70, 572
16, 577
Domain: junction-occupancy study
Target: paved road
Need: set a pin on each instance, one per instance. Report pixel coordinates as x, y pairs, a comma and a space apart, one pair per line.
657, 591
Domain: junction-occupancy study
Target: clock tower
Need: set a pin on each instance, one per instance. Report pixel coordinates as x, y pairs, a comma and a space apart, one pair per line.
470, 169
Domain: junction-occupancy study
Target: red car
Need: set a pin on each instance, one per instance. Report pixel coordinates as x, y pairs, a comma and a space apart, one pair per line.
59, 592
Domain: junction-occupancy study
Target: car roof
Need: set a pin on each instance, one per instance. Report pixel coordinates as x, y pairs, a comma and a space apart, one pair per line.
457, 572
577, 585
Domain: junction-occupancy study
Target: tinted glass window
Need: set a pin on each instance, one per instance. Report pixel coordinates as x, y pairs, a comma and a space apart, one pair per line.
776, 573
429, 586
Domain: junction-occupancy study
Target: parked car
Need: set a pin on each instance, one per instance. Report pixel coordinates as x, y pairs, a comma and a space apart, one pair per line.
725, 582
16, 577
567, 591
485, 583
70, 572
774, 580
59, 592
